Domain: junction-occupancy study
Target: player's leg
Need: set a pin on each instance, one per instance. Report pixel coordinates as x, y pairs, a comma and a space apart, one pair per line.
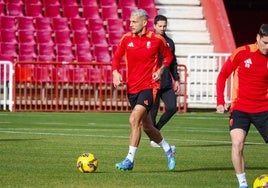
155, 106
260, 121
170, 100
155, 135
239, 126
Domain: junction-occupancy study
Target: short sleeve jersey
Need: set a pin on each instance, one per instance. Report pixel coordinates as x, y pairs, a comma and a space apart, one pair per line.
142, 59
250, 81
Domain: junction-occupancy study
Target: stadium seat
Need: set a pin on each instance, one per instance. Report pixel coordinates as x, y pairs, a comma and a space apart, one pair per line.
83, 52
78, 24
70, 11
27, 49
115, 25
44, 36
152, 12
108, 3
7, 57
64, 50
8, 22
68, 2
51, 2
34, 10
25, 23
46, 58
26, 36
109, 12
126, 12
8, 36
114, 37
81, 37
98, 38
51, 10
9, 49
127, 3
32, 2
102, 54
19, 2
96, 25
2, 9
62, 36
25, 58
13, 9
146, 3
45, 49
42, 74
42, 23
90, 12
67, 58
59, 23
89, 2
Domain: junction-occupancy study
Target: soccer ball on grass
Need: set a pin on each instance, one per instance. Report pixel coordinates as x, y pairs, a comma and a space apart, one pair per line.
87, 163
261, 181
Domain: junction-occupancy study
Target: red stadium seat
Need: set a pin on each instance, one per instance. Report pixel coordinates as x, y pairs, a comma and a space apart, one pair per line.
64, 50
8, 22
8, 36
96, 25
45, 50
26, 36
27, 49
7, 57
42, 23
126, 12
26, 58
83, 52
32, 2
109, 12
152, 12
68, 2
51, 10
25, 23
2, 9
62, 36
70, 11
78, 24
9, 49
34, 10
146, 3
98, 38
89, 2
80, 37
47, 58
59, 23
51, 2
13, 9
102, 54
127, 3
108, 3
44, 36
115, 25
114, 37
90, 12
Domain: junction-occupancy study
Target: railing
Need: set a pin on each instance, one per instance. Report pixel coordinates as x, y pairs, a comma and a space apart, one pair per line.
62, 86
6, 81
203, 70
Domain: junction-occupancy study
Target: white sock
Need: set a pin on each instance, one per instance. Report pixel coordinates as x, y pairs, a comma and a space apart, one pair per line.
164, 145
242, 179
131, 153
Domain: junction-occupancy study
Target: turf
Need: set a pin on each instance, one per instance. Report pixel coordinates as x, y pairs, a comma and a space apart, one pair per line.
41, 149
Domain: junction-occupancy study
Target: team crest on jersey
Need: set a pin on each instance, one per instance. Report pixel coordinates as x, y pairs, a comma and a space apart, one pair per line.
248, 62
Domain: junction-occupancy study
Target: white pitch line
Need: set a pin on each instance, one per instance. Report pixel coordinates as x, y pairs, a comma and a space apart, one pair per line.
124, 137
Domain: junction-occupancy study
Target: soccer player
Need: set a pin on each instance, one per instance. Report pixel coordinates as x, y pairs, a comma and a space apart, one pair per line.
141, 49
168, 89
249, 65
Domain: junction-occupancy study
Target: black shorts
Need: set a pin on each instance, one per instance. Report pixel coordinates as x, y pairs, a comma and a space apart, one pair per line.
243, 120
144, 98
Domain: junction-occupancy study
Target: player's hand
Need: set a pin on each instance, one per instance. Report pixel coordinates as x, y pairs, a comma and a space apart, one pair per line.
176, 87
221, 108
117, 79
156, 76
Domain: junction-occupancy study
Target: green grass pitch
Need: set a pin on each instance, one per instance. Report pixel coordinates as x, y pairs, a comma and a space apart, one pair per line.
41, 149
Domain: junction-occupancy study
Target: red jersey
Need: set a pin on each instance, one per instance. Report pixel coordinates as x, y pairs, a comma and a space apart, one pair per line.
250, 87
142, 59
